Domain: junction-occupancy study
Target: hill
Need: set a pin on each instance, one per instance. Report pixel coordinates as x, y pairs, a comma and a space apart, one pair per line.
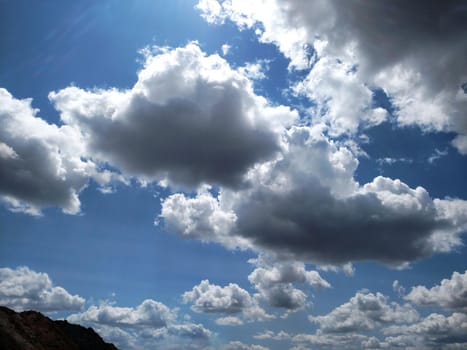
31, 330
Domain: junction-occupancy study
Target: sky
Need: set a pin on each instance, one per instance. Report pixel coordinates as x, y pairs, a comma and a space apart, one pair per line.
237, 175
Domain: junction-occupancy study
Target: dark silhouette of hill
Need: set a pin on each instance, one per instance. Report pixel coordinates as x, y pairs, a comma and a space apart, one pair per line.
30, 330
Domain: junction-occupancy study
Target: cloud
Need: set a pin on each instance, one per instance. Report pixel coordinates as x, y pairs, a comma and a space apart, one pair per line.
331, 341
229, 321
148, 313
273, 336
148, 325
210, 298
433, 332
449, 294
24, 289
305, 205
414, 53
189, 119
229, 300
365, 312
225, 49
40, 164
237, 345
275, 283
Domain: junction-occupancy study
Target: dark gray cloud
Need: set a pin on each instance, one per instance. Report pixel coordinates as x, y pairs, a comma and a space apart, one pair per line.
306, 205
190, 118
24, 289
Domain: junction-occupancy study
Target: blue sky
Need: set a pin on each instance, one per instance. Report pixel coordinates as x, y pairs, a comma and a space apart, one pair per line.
233, 175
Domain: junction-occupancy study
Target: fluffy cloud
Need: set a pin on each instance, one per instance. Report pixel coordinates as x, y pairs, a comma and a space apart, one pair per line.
190, 118
433, 332
148, 325
306, 205
149, 313
24, 289
414, 53
40, 164
271, 335
275, 283
365, 312
450, 293
210, 298
230, 299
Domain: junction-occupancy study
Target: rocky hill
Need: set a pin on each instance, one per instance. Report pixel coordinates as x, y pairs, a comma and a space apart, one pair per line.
30, 330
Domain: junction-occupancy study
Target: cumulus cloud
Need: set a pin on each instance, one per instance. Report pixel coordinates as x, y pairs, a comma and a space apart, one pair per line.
450, 293
210, 298
281, 335
149, 313
230, 300
190, 119
365, 312
148, 325
306, 205
40, 164
436, 331
414, 53
275, 283
24, 289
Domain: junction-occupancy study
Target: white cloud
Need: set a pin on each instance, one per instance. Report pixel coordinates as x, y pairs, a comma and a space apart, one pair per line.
210, 298
148, 325
148, 313
281, 335
321, 340
189, 119
237, 345
340, 99
24, 289
450, 293
437, 155
436, 331
229, 300
229, 321
225, 49
365, 312
256, 70
398, 288
275, 283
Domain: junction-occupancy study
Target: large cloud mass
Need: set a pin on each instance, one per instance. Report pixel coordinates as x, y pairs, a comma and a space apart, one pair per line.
307, 205
189, 118
415, 51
